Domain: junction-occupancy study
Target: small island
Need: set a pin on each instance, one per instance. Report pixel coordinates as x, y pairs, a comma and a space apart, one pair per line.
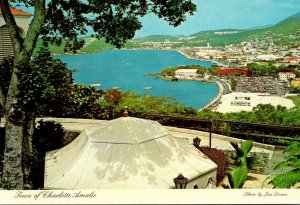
188, 72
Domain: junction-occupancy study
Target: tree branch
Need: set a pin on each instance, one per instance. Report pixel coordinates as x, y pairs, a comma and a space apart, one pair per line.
35, 27
12, 26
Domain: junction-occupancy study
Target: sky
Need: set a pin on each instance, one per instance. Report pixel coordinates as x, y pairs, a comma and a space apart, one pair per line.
223, 14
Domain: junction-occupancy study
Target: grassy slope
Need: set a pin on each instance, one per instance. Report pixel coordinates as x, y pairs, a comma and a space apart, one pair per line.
290, 25
296, 100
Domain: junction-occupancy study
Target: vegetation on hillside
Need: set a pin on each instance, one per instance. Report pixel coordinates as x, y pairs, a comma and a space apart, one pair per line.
280, 31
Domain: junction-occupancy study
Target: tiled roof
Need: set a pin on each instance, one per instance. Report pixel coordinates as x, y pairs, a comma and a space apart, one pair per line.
17, 12
293, 58
286, 73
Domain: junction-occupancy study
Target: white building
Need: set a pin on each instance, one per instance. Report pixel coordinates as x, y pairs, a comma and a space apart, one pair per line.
186, 73
285, 76
22, 20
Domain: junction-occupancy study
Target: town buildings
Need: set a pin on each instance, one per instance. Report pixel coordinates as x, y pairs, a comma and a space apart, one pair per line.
232, 71
285, 76
295, 82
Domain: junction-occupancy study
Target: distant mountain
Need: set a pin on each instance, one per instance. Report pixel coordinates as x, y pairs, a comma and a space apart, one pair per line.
290, 25
158, 38
281, 30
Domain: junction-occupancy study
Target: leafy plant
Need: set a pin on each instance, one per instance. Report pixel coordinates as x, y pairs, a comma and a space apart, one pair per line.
47, 136
292, 161
241, 157
218, 157
237, 177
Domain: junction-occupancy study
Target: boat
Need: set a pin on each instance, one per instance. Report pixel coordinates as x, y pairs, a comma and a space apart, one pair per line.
174, 79
96, 85
147, 87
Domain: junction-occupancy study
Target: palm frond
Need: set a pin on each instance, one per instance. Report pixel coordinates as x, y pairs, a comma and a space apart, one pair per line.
246, 147
239, 152
285, 180
237, 177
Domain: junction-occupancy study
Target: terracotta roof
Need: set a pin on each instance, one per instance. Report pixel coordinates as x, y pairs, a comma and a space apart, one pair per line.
17, 12
286, 73
293, 58
296, 79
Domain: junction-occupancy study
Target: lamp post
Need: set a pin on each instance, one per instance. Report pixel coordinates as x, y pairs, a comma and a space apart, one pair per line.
196, 142
210, 130
180, 182
125, 113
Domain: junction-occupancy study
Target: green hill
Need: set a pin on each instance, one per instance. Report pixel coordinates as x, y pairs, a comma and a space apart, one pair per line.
288, 26
281, 31
158, 38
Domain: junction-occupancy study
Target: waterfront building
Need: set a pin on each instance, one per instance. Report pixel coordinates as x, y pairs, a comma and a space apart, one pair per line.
295, 82
232, 71
187, 73
285, 76
22, 20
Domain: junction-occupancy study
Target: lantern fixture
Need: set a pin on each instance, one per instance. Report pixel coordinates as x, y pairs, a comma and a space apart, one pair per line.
196, 142
180, 182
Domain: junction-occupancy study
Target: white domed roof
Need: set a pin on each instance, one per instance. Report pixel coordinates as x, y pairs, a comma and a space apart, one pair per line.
126, 130
125, 153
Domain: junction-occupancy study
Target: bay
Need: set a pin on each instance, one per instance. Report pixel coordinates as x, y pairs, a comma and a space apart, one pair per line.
127, 69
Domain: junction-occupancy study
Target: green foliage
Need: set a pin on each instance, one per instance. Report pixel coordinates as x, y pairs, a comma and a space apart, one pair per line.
47, 136
286, 180
152, 105
267, 69
267, 114
295, 90
207, 113
5, 73
82, 102
43, 81
241, 157
237, 177
115, 21
292, 162
200, 70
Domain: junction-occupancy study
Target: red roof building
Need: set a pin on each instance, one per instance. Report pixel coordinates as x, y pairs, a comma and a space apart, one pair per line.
17, 12
295, 82
22, 19
293, 58
232, 71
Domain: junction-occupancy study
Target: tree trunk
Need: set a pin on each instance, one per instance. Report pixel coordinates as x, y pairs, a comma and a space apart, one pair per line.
12, 164
28, 129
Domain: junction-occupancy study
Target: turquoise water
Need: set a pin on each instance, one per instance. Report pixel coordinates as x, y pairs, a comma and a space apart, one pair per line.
126, 70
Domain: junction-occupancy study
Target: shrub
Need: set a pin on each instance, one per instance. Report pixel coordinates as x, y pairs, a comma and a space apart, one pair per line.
291, 161
237, 177
47, 136
218, 157
241, 157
